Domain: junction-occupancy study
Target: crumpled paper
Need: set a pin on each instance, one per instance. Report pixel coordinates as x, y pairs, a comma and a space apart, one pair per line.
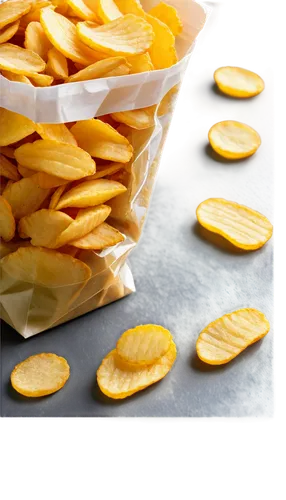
30, 308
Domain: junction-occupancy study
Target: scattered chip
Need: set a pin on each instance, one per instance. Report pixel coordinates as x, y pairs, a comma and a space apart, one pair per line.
162, 51
233, 140
40, 375
8, 31
169, 16
56, 196
117, 380
82, 8
101, 237
107, 10
7, 221
44, 227
226, 337
139, 119
14, 77
42, 80
14, 127
36, 40
91, 193
99, 69
57, 65
21, 61
55, 132
25, 197
243, 227
140, 63
238, 82
8, 169
127, 35
12, 10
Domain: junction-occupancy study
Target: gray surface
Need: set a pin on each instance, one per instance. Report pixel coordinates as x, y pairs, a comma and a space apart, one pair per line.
184, 278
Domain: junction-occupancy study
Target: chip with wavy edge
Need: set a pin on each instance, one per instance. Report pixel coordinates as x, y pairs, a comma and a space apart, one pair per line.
233, 140
55, 132
169, 16
107, 10
140, 63
43, 227
101, 237
36, 40
99, 69
11, 11
83, 10
7, 221
8, 31
139, 119
104, 171
8, 169
14, 127
21, 61
238, 82
25, 196
162, 51
90, 193
57, 65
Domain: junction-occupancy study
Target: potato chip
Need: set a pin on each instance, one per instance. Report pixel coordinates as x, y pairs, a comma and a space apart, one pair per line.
107, 10
25, 172
91, 193
44, 227
137, 118
63, 35
57, 65
140, 63
7, 221
36, 40
14, 77
42, 80
101, 237
127, 35
8, 169
55, 132
7, 151
56, 196
62, 160
238, 82
82, 9
61, 6
48, 181
21, 61
9, 183
118, 380
130, 7
40, 375
102, 141
14, 127
162, 51
243, 227
25, 197
8, 31
12, 10
169, 16
233, 140
226, 337
99, 69
86, 221
123, 69
11, 246
34, 14
105, 170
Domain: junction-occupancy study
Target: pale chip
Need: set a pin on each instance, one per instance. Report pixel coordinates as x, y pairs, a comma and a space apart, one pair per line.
11, 11
36, 40
14, 127
233, 140
140, 63
14, 77
43, 227
7, 221
99, 69
139, 119
55, 132
107, 10
21, 61
25, 196
162, 51
238, 82
34, 14
57, 65
169, 16
8, 31
8, 170
101, 237
82, 8
91, 193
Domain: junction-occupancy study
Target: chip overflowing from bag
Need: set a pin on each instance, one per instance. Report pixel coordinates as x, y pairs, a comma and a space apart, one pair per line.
143, 356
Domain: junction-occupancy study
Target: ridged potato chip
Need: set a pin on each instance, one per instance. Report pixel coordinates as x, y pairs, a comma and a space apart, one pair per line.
25, 197
169, 16
7, 221
43, 227
127, 35
226, 337
102, 141
243, 227
83, 10
56, 196
139, 119
48, 181
91, 193
107, 10
162, 51
99, 69
144, 344
238, 82
105, 170
233, 140
57, 65
101, 237
14, 77
8, 169
118, 380
41, 80
62, 160
130, 7
12, 10
21, 61
36, 40
14, 127
140, 63
55, 132
8, 31
86, 221
40, 375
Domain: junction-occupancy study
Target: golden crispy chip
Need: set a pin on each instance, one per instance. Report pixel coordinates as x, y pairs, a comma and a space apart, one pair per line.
127, 35
57, 65
105, 170
14, 127
140, 63
63, 35
91, 193
233, 140
11, 11
25, 172
7, 151
14, 77
162, 51
238, 82
107, 10
243, 227
21, 61
226, 337
55, 132
99, 69
44, 227
102, 141
168, 101
137, 118
86, 221
36, 40
42, 80
62, 160
25, 196
123, 69
169, 16
48, 181
56, 196
34, 14
117, 380
8, 31
83, 10
7, 221
101, 237
130, 7
144, 344
40, 375
8, 170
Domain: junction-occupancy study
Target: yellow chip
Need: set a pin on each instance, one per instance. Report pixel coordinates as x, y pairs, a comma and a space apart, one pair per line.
12, 10
130, 7
233, 140
25, 172
11, 246
238, 82
40, 375
140, 63
139, 119
57, 65
101, 237
55, 132
63, 35
110, 169
127, 35
8, 31
102, 141
21, 61
62, 160
36, 40
82, 8
7, 221
107, 10
34, 14
162, 51
56, 196
144, 344
25, 196
42, 80
7, 151
14, 127
99, 69
8, 170
86, 221
91, 193
243, 227
169, 16
123, 69
43, 227
226, 337
48, 181
117, 380
14, 77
